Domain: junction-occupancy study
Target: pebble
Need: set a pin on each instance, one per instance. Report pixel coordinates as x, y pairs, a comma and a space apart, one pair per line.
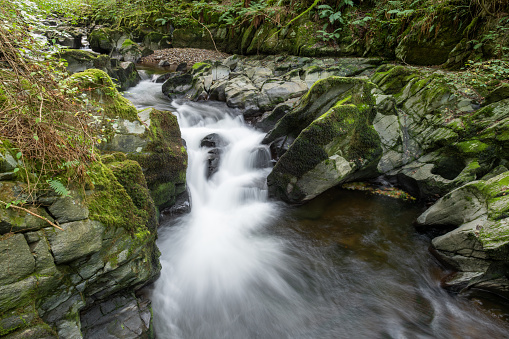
177, 56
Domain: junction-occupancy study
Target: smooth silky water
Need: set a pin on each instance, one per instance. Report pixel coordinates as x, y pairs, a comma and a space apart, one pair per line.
345, 265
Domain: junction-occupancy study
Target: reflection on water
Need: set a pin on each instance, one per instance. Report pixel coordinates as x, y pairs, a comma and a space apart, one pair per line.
373, 275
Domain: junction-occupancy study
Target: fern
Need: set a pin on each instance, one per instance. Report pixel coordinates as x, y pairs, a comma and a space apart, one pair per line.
58, 187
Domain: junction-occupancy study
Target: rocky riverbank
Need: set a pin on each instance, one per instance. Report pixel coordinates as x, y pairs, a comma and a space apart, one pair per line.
83, 279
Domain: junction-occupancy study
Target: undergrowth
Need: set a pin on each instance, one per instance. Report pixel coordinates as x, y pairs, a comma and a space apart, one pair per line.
42, 121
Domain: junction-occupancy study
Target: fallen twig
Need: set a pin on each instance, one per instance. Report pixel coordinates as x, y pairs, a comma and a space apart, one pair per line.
34, 214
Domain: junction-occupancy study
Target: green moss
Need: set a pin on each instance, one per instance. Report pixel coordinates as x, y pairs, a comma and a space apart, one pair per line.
110, 203
113, 157
471, 146
319, 99
100, 88
393, 80
164, 158
128, 42
200, 67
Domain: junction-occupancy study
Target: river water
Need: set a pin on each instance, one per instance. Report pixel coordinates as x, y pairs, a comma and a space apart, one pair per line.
345, 265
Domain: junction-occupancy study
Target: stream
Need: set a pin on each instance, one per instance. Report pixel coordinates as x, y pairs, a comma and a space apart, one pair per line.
345, 265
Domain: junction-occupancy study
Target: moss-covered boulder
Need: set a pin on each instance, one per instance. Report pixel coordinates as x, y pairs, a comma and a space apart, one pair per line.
478, 247
130, 51
430, 43
99, 87
445, 140
153, 140
335, 139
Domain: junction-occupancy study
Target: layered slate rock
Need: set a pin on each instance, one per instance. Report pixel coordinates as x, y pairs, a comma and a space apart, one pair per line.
51, 275
54, 279
445, 139
478, 247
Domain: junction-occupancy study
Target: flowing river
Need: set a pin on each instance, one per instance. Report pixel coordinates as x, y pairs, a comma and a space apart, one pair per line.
345, 265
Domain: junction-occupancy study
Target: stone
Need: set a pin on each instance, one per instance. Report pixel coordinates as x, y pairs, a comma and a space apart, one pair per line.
7, 162
460, 206
69, 208
213, 161
179, 84
121, 317
213, 140
15, 220
77, 240
181, 67
37, 331
17, 260
331, 147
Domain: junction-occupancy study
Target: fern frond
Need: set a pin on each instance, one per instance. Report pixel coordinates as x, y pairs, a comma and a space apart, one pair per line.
58, 187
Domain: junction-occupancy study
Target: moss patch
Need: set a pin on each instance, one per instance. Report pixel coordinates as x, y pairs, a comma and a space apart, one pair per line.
100, 88
110, 203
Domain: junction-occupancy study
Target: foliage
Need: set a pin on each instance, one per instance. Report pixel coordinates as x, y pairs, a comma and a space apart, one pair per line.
42, 121
335, 18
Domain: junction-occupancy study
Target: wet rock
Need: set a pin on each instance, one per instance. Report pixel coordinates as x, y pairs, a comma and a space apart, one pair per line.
182, 67
123, 316
179, 84
326, 151
130, 51
213, 140
182, 206
70, 208
213, 161
19, 261
478, 247
269, 120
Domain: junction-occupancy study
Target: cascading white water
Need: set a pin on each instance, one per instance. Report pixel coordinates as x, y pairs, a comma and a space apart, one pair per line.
220, 275
239, 266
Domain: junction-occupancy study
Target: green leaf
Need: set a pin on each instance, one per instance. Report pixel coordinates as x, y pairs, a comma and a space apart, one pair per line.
36, 138
58, 187
15, 170
18, 155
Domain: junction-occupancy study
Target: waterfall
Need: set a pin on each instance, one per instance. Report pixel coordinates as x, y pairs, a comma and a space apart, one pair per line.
222, 277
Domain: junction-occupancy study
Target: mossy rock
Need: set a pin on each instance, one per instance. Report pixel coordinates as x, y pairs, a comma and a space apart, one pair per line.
318, 100
425, 46
163, 159
79, 60
105, 40
111, 204
100, 88
334, 147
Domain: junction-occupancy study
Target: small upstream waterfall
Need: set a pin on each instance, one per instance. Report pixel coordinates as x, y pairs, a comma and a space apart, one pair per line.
221, 276
345, 265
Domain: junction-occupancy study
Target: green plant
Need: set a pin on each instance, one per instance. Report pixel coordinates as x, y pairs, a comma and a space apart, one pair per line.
58, 187
335, 19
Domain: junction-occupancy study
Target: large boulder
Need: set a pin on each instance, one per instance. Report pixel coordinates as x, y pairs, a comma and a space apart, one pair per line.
152, 138
107, 40
445, 140
478, 247
335, 140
